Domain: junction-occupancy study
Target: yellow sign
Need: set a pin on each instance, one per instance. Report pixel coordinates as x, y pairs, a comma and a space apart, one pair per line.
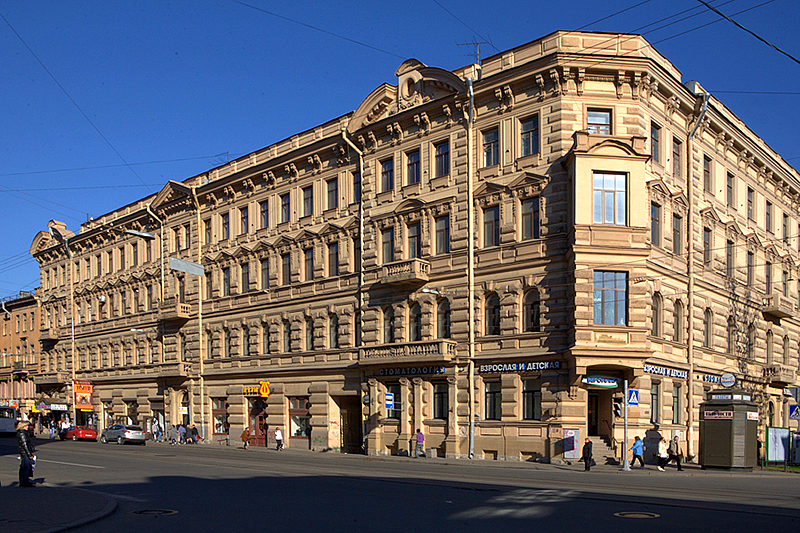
83, 394
263, 389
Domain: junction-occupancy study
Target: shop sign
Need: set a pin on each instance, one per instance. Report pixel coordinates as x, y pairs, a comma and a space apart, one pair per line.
721, 397
412, 371
250, 390
58, 407
9, 403
661, 371
598, 380
505, 368
708, 379
263, 389
752, 415
83, 394
745, 397
183, 410
727, 380
718, 415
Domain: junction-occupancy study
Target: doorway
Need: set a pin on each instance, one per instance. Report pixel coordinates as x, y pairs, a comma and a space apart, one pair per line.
592, 420
350, 409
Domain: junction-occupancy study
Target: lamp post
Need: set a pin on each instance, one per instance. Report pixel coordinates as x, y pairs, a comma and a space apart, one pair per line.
65, 241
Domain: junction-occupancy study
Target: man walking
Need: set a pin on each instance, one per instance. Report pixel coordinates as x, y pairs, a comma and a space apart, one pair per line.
638, 451
587, 454
279, 439
25, 455
675, 452
419, 449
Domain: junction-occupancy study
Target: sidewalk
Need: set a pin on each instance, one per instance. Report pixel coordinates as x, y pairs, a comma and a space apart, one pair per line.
49, 509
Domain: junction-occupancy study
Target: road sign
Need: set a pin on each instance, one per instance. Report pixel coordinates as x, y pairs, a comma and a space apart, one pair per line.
794, 412
389, 400
187, 266
633, 397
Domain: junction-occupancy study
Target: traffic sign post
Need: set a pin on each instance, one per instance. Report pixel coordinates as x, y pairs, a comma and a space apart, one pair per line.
633, 397
625, 466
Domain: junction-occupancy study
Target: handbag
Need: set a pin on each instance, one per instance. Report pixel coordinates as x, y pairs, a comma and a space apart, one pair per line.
593, 463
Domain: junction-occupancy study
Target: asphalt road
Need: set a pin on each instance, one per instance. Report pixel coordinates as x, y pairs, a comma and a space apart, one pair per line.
216, 488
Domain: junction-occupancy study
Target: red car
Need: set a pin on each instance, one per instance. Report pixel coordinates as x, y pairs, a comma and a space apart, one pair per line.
76, 433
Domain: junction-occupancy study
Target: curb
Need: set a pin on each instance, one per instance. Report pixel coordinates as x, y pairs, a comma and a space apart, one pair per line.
110, 507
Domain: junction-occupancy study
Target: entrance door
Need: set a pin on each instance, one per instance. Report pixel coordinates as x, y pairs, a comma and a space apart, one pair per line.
258, 435
593, 427
352, 440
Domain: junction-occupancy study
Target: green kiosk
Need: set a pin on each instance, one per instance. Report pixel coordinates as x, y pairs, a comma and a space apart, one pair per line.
728, 430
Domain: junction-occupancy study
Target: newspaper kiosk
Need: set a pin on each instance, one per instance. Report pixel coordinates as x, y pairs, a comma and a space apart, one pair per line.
728, 430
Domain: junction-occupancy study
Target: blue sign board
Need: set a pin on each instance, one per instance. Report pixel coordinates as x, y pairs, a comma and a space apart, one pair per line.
389, 401
633, 397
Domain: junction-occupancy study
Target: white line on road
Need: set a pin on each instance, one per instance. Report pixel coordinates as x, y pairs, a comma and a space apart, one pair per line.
61, 463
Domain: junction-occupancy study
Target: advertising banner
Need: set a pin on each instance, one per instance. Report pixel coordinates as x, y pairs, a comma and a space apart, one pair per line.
83, 394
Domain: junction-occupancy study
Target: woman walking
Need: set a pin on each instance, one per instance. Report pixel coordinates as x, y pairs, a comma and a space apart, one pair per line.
663, 456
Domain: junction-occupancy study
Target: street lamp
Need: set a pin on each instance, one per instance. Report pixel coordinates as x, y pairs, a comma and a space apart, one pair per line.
65, 241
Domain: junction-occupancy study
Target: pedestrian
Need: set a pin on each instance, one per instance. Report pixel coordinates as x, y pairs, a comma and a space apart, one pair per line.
419, 449
586, 455
26, 455
173, 434
195, 434
182, 433
246, 437
675, 452
155, 430
279, 439
663, 456
53, 426
638, 451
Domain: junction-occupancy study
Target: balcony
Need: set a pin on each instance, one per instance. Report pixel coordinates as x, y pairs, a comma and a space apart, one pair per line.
777, 305
408, 274
780, 375
424, 353
49, 335
172, 309
18, 368
52, 378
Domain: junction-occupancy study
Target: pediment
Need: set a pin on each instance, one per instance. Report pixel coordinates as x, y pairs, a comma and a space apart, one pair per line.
584, 143
41, 242
732, 228
709, 215
489, 188
411, 204
172, 191
528, 179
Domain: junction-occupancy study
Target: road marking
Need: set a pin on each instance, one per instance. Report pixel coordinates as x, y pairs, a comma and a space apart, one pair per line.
70, 464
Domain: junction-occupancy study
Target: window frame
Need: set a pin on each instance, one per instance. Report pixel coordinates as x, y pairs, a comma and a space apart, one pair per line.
491, 226
442, 158
413, 167
530, 143
613, 187
595, 127
387, 175
491, 147
610, 294
530, 210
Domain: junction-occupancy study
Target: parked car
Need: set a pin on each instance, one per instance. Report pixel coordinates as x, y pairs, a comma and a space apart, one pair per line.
76, 433
121, 433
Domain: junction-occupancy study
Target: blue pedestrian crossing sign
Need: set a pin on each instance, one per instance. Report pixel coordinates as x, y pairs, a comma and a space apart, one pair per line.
389, 400
794, 412
633, 397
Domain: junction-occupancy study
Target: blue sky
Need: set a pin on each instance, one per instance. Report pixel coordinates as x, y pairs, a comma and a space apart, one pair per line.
175, 88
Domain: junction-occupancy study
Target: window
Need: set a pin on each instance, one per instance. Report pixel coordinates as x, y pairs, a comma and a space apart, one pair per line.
309, 334
299, 418
265, 274
677, 235
387, 245
286, 269
412, 167
678, 322
610, 199
308, 263
731, 335
226, 281
785, 283
122, 264
176, 238
219, 411
729, 180
491, 148
706, 173
415, 323
655, 137
530, 136
786, 348
657, 318
394, 390
707, 246
333, 193
443, 319
492, 314
491, 226
134, 258
751, 213
532, 310
246, 341
442, 159
443, 235
768, 216
414, 241
387, 175
598, 121
333, 332
751, 340
440, 401
676, 404
785, 228
245, 269
226, 227
244, 220
285, 208
532, 399
287, 337
708, 323
730, 266
610, 298
357, 186
333, 259
388, 325
655, 224
676, 157
530, 218
209, 285
308, 201
263, 211
265, 339
227, 343
768, 277
655, 403
493, 400
206, 234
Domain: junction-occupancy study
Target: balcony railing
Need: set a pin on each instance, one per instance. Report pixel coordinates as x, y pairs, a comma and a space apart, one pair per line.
172, 309
411, 273
777, 305
49, 334
18, 367
52, 378
780, 375
435, 352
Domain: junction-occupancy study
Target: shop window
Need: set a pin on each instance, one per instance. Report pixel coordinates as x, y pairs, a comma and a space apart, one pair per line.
493, 408
219, 412
299, 417
440, 401
532, 399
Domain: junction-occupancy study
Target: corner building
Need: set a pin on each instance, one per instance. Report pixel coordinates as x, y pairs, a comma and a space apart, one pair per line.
337, 268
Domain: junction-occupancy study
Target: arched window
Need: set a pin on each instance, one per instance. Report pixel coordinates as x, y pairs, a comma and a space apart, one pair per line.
388, 325
309, 334
265, 339
731, 335
770, 348
786, 347
751, 340
287, 337
333, 331
415, 323
492, 314
657, 317
443, 319
678, 322
227, 343
246, 341
708, 321
531, 311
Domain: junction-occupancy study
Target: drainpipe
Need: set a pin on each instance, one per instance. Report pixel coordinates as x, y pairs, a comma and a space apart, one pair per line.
5, 310
698, 91
200, 316
161, 252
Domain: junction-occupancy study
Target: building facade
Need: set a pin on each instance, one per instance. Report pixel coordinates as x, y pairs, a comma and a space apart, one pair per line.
342, 301
19, 352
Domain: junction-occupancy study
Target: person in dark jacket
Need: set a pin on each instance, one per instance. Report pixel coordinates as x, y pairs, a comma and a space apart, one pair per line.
587, 454
26, 452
